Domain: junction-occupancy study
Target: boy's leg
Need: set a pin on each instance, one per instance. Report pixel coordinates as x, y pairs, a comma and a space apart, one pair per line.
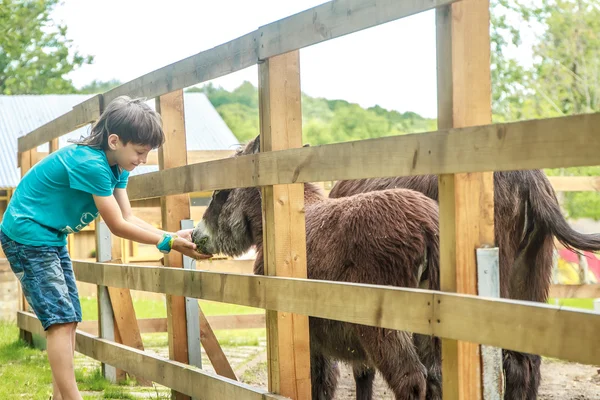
60, 355
55, 391
46, 276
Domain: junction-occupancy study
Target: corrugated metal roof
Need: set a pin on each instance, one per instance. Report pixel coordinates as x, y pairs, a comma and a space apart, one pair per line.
21, 114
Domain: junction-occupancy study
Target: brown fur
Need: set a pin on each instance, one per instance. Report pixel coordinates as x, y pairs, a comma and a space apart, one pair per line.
527, 216
384, 238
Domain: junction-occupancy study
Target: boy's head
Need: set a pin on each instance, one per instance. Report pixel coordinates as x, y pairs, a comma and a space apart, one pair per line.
127, 130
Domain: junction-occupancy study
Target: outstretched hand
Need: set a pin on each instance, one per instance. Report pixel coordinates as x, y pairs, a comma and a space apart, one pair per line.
188, 248
186, 234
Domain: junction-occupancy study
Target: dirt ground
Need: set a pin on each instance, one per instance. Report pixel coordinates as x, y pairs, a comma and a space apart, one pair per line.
560, 381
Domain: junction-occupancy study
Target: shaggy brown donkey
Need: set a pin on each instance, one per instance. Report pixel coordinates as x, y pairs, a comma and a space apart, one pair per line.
527, 217
386, 238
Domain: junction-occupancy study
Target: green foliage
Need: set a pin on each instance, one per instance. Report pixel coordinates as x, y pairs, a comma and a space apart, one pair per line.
35, 53
323, 121
563, 79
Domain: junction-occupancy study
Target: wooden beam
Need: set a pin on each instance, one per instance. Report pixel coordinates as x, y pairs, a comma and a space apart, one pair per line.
195, 156
179, 376
173, 153
495, 147
127, 329
27, 159
53, 145
332, 20
284, 232
509, 324
589, 291
213, 349
466, 200
80, 115
575, 183
315, 25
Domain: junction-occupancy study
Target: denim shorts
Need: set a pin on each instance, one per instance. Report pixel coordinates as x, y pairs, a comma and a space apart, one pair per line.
47, 278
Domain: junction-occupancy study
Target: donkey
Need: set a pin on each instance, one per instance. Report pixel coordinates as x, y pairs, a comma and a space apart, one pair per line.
385, 238
527, 217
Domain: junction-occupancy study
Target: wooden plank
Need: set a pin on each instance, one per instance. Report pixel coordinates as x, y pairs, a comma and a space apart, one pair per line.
106, 321
548, 143
119, 294
284, 233
195, 156
213, 349
324, 22
575, 183
589, 291
53, 145
488, 285
80, 115
173, 153
27, 160
179, 376
508, 324
466, 200
126, 323
332, 20
192, 313
223, 59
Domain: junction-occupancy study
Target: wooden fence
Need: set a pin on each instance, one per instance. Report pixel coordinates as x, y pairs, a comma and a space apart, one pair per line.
463, 152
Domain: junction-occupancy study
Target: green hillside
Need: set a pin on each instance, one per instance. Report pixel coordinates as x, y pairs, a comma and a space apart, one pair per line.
323, 121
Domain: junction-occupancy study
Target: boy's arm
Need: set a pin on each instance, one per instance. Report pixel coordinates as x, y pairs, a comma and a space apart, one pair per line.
125, 206
111, 213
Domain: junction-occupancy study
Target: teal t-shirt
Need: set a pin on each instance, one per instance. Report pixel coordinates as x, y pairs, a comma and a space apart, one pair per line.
55, 198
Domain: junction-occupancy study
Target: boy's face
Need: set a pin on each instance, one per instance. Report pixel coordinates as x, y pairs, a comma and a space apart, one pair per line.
131, 155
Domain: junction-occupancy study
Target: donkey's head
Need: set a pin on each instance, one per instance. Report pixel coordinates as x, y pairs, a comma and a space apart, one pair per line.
232, 223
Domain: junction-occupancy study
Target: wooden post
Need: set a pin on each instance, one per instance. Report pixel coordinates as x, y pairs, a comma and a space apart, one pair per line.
284, 232
173, 153
192, 312
106, 325
488, 284
466, 200
27, 160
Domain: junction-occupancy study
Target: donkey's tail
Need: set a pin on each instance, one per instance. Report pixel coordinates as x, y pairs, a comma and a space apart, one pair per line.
547, 214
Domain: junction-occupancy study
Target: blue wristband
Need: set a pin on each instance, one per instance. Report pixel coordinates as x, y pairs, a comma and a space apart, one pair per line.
166, 243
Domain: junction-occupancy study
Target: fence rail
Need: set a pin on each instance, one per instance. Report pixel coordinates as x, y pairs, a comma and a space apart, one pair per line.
496, 147
181, 377
476, 148
520, 326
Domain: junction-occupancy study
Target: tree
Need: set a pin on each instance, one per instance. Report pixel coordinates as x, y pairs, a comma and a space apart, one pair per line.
564, 78
35, 53
565, 75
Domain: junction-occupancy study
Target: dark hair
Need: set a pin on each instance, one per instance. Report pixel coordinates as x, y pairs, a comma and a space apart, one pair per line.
132, 120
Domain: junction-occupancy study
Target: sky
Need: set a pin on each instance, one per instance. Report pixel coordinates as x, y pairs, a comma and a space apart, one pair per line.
392, 65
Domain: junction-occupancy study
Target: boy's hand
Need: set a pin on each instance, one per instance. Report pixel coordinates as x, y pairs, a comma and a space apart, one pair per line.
188, 248
186, 234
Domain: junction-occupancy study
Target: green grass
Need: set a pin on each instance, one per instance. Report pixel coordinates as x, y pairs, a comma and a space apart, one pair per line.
22, 369
25, 373
586, 304
145, 308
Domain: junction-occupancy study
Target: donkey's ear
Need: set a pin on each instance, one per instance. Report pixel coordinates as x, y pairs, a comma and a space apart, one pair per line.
306, 145
256, 145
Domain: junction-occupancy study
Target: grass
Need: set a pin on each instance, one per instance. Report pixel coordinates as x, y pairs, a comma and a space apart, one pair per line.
586, 304
145, 308
25, 372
